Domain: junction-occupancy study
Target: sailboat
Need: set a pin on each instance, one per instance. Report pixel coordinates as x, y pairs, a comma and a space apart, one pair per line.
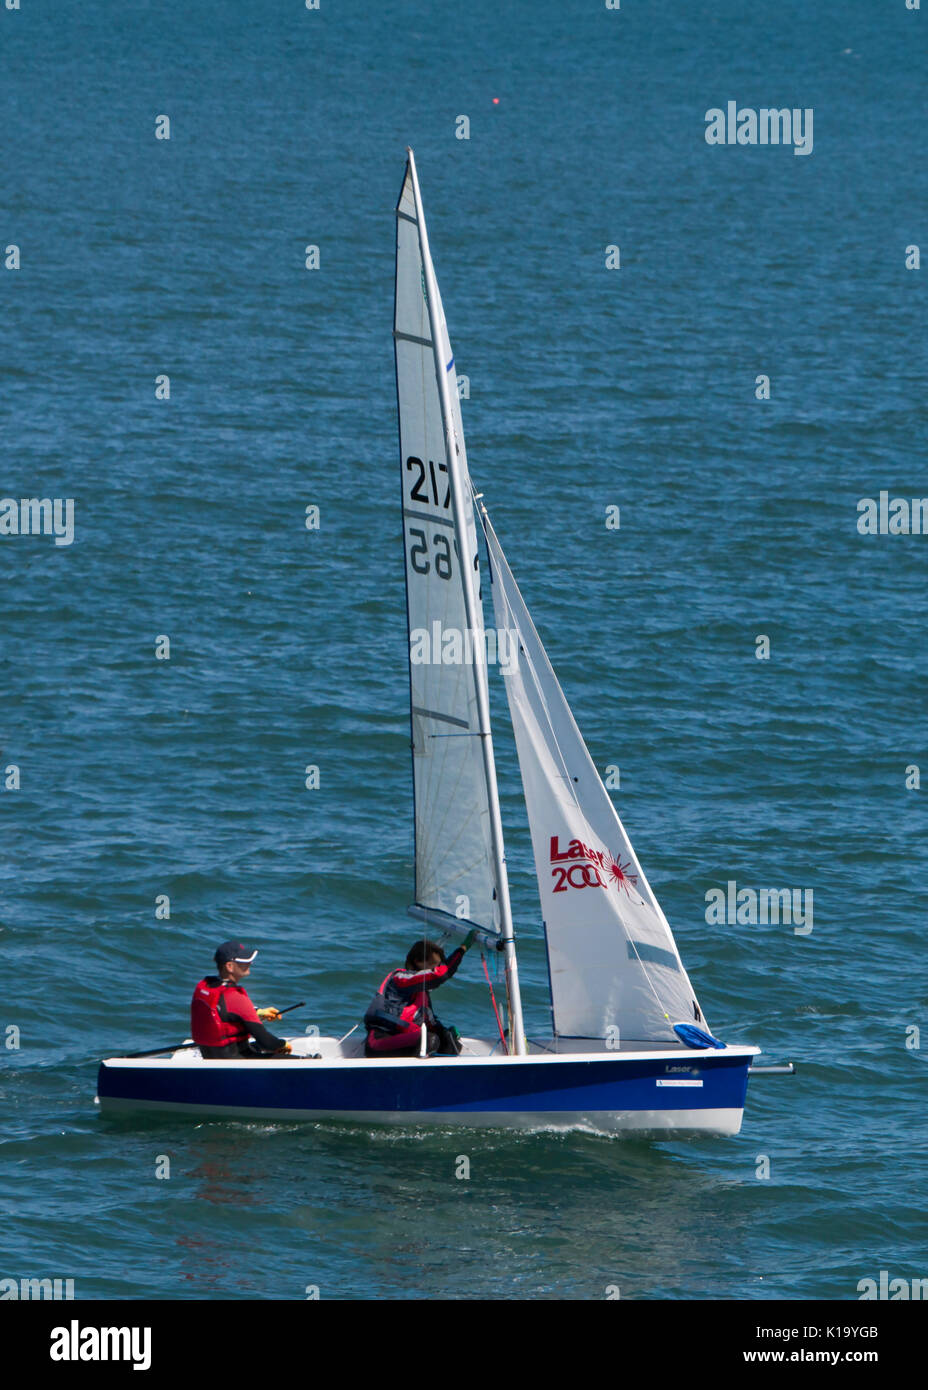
629, 1048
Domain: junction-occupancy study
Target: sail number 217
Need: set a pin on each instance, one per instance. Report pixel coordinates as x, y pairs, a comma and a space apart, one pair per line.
420, 491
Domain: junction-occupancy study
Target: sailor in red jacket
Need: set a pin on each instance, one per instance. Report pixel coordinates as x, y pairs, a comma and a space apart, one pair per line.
223, 1020
402, 1004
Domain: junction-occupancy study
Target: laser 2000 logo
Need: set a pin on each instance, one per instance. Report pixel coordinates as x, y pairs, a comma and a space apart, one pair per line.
588, 868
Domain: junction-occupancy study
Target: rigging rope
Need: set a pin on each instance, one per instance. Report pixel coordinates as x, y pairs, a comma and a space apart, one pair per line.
499, 1022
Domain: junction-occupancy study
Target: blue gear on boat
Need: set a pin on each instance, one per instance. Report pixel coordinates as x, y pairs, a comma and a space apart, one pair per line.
695, 1037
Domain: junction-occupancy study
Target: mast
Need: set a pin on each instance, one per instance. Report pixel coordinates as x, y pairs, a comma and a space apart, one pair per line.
471, 600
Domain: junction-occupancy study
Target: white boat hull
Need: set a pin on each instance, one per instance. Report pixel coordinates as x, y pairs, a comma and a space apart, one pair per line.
662, 1091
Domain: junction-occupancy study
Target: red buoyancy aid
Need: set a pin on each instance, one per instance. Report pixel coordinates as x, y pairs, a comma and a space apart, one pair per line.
206, 1027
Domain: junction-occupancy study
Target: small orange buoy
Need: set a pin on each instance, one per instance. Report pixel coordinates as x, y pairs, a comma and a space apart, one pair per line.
496, 101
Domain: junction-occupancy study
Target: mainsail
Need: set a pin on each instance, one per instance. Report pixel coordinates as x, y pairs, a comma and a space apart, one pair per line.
614, 966
460, 862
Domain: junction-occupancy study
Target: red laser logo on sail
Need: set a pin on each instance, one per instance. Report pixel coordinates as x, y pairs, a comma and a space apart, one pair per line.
622, 877
588, 868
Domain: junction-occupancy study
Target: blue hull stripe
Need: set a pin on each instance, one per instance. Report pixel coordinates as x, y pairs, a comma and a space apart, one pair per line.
588, 1086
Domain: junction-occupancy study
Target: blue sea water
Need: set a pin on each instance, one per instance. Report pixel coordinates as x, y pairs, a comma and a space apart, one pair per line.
588, 388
